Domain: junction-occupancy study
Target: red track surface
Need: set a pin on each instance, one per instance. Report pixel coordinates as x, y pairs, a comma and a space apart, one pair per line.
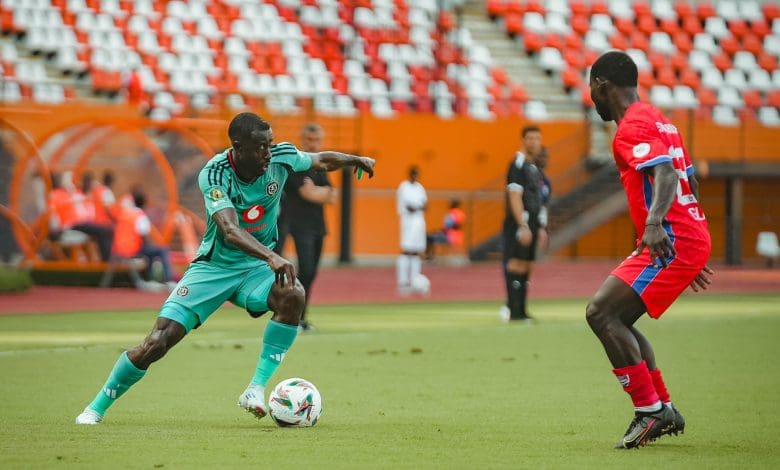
552, 279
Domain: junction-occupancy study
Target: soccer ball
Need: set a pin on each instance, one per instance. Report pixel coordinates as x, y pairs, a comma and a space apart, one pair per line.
295, 403
421, 284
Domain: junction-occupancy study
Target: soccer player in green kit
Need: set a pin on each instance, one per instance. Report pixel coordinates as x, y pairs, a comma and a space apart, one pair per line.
235, 262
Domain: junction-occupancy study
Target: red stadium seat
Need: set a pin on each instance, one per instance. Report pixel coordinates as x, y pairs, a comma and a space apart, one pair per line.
642, 9
738, 28
579, 7
646, 78
683, 42
767, 62
729, 45
722, 62
752, 44
624, 25
705, 10
518, 93
585, 96
496, 8
691, 24
639, 41
573, 41
771, 10
646, 24
669, 26
690, 78
513, 24
534, 6
746, 114
571, 78
515, 7
499, 75
580, 24
666, 77
752, 98
553, 40
679, 61
599, 7
532, 42
707, 97
618, 41
760, 28
574, 58
682, 8
657, 60
773, 98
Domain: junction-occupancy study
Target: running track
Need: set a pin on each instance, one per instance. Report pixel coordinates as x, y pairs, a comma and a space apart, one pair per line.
355, 285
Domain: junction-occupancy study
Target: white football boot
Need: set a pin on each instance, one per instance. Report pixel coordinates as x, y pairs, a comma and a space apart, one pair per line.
88, 416
253, 401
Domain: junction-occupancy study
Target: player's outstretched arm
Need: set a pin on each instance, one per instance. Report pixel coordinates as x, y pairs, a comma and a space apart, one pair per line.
655, 237
330, 161
227, 223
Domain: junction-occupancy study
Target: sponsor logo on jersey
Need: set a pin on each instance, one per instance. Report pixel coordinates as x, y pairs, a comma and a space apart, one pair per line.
666, 128
272, 188
183, 291
254, 213
641, 150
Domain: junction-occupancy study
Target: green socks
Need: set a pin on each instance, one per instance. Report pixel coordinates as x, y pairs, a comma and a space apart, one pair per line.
277, 339
122, 377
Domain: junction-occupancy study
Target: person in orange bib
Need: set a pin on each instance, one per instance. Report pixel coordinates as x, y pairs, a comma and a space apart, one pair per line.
131, 236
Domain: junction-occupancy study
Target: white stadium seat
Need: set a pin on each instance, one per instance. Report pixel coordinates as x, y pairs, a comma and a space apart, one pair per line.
724, 116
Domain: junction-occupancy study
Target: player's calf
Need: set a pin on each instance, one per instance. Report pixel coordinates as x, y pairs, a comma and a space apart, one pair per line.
287, 303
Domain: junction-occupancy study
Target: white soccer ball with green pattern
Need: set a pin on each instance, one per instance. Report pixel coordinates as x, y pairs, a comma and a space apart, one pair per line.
295, 403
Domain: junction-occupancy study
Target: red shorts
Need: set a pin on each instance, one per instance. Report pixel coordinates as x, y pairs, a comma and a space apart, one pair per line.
659, 287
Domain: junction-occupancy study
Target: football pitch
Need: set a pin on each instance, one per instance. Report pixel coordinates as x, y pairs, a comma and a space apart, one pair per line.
433, 385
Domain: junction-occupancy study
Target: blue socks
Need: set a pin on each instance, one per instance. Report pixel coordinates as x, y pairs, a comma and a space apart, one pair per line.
277, 339
122, 377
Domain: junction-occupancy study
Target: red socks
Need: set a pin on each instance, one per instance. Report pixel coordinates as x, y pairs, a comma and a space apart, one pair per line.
637, 382
660, 386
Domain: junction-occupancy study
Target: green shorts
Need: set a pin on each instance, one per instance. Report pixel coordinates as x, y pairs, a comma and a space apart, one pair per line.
205, 287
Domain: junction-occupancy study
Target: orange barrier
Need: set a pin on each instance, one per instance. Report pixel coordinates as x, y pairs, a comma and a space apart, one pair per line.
458, 157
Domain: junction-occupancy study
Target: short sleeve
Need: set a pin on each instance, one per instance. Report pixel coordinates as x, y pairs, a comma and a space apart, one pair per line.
640, 146
213, 183
289, 155
515, 180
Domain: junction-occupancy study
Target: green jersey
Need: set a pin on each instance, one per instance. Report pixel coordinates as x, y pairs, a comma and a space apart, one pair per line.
255, 203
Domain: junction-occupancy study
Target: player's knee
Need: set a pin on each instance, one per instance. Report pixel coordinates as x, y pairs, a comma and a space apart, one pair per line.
152, 349
594, 315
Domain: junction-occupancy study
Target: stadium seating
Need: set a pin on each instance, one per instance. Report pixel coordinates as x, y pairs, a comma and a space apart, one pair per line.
385, 56
719, 57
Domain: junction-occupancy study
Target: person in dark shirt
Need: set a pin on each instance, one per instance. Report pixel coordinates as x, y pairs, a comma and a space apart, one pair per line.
524, 202
305, 196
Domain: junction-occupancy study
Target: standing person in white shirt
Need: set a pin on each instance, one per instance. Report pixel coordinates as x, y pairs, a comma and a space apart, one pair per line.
411, 202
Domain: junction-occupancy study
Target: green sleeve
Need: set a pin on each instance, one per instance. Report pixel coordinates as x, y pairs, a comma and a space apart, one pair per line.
213, 183
289, 155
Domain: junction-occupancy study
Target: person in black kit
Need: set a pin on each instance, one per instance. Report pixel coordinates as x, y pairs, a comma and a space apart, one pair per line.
524, 201
305, 194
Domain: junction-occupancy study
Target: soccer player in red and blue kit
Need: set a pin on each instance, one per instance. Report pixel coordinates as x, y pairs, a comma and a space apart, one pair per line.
672, 251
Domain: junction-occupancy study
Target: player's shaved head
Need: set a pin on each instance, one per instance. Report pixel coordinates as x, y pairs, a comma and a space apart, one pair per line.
616, 67
244, 124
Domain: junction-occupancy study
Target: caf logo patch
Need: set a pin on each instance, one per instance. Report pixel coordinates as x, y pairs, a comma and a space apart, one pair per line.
216, 194
272, 188
641, 150
182, 291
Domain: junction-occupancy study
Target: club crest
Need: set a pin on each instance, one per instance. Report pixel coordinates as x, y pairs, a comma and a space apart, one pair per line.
272, 188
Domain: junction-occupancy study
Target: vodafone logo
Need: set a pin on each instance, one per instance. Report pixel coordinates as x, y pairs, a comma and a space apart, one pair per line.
254, 213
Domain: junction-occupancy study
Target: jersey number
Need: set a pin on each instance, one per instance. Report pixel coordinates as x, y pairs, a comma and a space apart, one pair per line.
684, 195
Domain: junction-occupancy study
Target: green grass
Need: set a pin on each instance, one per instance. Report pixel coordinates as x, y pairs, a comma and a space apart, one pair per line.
404, 386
